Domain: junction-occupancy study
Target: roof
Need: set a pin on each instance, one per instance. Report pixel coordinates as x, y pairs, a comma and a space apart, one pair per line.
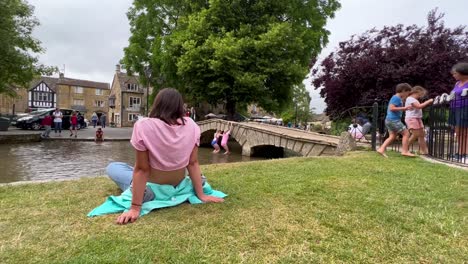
124, 79
83, 83
52, 82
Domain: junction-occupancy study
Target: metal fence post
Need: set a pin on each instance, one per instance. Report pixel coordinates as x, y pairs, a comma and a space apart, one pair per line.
375, 116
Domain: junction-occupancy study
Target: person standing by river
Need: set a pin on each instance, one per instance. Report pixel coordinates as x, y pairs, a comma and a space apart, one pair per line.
225, 139
103, 120
46, 123
58, 121
94, 119
458, 117
214, 142
73, 124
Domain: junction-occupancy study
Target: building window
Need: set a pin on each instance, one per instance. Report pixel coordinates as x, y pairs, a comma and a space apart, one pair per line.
99, 92
99, 103
78, 102
78, 89
132, 86
132, 117
135, 102
42, 97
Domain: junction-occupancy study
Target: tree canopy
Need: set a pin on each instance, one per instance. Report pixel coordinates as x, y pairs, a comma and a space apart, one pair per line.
18, 66
298, 111
228, 51
367, 67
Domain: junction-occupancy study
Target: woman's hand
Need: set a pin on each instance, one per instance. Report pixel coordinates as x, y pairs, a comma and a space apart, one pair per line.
210, 199
128, 217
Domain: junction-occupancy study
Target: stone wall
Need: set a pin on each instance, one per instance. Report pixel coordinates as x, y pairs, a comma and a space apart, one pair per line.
19, 138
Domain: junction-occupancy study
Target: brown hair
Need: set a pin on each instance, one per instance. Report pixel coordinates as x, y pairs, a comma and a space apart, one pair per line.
168, 106
419, 89
403, 87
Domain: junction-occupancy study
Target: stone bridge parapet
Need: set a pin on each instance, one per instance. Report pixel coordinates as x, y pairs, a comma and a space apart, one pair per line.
252, 134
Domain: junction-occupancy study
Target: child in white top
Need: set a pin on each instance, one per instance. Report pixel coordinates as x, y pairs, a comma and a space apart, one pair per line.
413, 117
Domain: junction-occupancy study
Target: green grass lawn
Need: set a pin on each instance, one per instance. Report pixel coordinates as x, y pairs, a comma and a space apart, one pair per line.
360, 208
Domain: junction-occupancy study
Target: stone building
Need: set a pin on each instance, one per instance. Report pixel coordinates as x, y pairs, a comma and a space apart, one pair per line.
17, 104
82, 95
127, 100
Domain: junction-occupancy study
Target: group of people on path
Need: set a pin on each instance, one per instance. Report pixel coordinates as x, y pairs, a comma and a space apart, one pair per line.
56, 118
408, 98
220, 140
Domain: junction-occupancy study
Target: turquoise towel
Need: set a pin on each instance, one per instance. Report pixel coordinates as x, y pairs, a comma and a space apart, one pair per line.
165, 196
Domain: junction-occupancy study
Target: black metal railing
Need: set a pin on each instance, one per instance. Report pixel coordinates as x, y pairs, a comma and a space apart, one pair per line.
445, 126
366, 124
447, 134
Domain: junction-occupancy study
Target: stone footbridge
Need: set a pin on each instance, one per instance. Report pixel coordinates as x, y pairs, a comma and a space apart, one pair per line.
251, 136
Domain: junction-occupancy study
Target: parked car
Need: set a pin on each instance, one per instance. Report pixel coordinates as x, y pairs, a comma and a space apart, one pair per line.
34, 119
15, 118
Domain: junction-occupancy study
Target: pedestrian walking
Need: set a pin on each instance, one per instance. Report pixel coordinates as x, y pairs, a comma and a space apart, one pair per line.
47, 124
103, 120
58, 121
73, 124
413, 118
94, 119
393, 120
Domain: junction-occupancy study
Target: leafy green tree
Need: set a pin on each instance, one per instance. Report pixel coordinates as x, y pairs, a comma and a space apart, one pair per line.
298, 111
18, 65
228, 51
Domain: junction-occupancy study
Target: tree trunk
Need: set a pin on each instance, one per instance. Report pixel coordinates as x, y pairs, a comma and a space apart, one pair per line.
230, 109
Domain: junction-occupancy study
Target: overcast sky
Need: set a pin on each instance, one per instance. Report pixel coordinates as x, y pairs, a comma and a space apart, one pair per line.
88, 36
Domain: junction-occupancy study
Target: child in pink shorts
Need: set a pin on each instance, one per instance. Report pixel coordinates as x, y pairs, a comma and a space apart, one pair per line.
413, 117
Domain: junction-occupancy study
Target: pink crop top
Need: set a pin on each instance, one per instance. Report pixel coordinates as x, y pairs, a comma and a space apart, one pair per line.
169, 147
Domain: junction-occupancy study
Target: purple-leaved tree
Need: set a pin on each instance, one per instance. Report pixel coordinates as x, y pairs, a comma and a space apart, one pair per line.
367, 67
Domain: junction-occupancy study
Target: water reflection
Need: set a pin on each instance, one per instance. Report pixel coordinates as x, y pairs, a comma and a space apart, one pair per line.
51, 160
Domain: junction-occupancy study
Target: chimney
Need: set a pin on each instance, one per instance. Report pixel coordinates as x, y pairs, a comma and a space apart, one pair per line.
61, 75
117, 68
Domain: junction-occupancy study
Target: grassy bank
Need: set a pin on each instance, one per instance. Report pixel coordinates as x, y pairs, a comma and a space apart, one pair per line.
358, 208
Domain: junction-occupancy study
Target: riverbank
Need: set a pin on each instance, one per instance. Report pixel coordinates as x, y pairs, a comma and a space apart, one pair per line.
16, 135
356, 208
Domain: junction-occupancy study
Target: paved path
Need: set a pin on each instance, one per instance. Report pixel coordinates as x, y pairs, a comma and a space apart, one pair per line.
87, 134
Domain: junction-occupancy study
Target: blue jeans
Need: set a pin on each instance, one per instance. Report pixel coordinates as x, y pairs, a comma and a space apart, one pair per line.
58, 126
122, 174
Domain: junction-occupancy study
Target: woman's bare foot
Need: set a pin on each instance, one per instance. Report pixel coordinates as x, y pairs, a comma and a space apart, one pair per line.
382, 153
226, 153
408, 154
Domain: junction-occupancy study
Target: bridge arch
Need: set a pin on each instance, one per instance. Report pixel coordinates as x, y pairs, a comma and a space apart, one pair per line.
252, 135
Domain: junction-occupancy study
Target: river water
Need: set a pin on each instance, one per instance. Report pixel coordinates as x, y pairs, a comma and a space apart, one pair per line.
50, 160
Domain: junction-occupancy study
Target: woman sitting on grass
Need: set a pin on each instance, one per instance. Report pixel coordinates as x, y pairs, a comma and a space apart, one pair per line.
166, 144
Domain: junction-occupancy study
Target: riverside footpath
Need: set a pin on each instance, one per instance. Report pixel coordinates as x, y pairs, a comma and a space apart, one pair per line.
15, 135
